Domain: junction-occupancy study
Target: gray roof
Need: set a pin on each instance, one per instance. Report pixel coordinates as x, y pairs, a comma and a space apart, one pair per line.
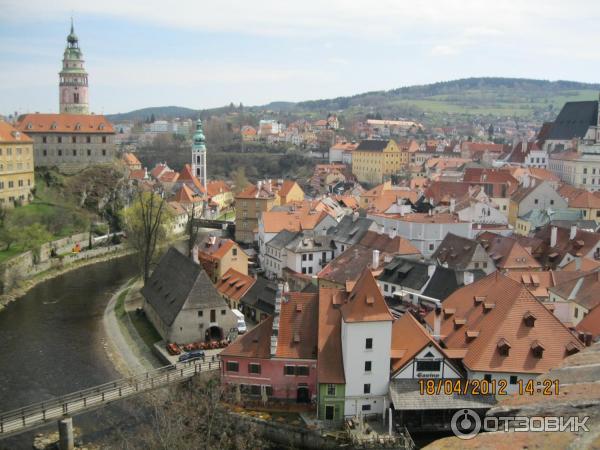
309, 243
283, 238
445, 281
261, 295
372, 145
574, 120
456, 251
406, 273
175, 280
405, 395
350, 230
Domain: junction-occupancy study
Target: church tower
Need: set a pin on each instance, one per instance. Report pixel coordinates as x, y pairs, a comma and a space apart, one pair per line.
73, 86
199, 154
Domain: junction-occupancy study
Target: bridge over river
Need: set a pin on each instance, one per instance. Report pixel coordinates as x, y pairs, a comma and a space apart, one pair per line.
63, 408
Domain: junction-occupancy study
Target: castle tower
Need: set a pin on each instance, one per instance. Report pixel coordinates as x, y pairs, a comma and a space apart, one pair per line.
73, 86
199, 154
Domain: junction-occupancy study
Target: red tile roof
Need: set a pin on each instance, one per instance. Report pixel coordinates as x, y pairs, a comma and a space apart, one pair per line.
365, 302
585, 200
130, 159
330, 364
10, 135
186, 195
234, 284
496, 306
256, 343
217, 187
137, 174
187, 176
506, 252
591, 323
298, 326
65, 123
215, 247
169, 177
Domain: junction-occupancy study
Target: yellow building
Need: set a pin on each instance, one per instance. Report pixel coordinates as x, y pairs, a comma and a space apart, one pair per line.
16, 166
220, 194
218, 255
588, 203
374, 161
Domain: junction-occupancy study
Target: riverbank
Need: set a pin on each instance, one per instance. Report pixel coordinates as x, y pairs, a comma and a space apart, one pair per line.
27, 284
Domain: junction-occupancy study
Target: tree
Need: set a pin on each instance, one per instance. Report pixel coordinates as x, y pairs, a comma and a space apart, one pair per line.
32, 237
192, 415
147, 223
239, 179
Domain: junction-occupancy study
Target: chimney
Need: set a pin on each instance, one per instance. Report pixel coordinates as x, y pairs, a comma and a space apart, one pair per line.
375, 263
276, 317
578, 263
195, 254
392, 233
354, 216
553, 236
573, 232
437, 322
430, 212
430, 270
526, 181
452, 205
380, 229
145, 173
269, 187
468, 278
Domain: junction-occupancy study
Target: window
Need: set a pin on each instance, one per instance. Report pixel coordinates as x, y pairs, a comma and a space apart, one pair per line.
20, 183
385, 287
536, 201
254, 368
367, 388
74, 152
576, 309
366, 407
59, 152
477, 265
59, 139
12, 184
431, 246
331, 389
45, 152
200, 313
425, 365
213, 315
367, 366
104, 139
255, 389
289, 370
89, 152
304, 257
310, 257
88, 139
488, 377
74, 139
302, 371
269, 391
369, 343
232, 366
234, 251
44, 140
103, 152
513, 379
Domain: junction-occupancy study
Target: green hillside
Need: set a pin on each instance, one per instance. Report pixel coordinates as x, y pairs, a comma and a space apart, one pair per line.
471, 97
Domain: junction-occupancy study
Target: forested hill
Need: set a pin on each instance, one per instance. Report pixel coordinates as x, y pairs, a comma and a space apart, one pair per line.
500, 97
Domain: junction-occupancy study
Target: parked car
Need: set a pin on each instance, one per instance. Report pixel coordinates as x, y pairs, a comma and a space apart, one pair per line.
173, 349
195, 354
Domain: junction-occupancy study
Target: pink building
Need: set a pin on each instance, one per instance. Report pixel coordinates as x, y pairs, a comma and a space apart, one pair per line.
279, 356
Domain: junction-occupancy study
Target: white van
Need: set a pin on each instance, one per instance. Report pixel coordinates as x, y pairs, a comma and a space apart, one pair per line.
241, 322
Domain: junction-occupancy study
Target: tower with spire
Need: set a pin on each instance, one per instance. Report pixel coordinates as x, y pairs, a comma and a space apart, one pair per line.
73, 86
199, 154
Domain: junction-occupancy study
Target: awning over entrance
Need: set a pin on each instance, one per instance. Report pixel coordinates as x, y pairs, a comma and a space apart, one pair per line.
405, 395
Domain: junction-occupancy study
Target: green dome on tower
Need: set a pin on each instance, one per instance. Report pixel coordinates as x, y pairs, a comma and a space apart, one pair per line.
199, 139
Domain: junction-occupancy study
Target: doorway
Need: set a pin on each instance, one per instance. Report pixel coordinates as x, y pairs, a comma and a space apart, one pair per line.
329, 412
302, 395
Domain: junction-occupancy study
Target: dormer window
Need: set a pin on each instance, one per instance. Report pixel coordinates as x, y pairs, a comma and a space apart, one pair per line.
488, 307
53, 126
572, 348
459, 322
537, 348
478, 299
503, 347
529, 319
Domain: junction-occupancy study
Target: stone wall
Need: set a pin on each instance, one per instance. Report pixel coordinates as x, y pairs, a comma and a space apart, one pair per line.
26, 265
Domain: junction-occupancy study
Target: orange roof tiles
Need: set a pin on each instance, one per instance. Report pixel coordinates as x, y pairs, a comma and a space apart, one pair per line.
137, 174
286, 187
65, 123
130, 159
365, 302
234, 284
187, 176
330, 365
507, 252
504, 322
217, 187
298, 326
169, 177
303, 219
587, 264
585, 200
256, 343
186, 195
9, 134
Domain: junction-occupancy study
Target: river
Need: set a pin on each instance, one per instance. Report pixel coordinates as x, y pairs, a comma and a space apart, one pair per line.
52, 343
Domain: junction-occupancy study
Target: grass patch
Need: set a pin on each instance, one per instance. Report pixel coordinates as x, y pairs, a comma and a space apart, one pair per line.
230, 215
144, 328
7, 254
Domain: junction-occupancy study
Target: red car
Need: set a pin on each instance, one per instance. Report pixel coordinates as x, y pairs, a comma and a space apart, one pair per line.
173, 349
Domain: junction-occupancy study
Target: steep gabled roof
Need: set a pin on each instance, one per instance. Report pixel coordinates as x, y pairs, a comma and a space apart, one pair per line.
9, 134
456, 251
584, 290
187, 177
574, 120
175, 280
496, 307
365, 302
256, 343
234, 284
506, 252
186, 195
298, 326
330, 365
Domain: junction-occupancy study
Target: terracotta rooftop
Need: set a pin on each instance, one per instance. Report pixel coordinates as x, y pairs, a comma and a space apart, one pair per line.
217, 187
234, 284
330, 365
215, 247
298, 220
187, 176
538, 282
496, 307
256, 343
186, 195
584, 290
298, 326
129, 158
365, 302
506, 252
585, 200
65, 123
9, 134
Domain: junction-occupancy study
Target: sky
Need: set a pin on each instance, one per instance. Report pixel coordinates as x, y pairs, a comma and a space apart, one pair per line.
203, 54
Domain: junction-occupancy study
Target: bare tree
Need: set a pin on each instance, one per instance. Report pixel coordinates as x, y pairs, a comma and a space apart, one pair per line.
147, 221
